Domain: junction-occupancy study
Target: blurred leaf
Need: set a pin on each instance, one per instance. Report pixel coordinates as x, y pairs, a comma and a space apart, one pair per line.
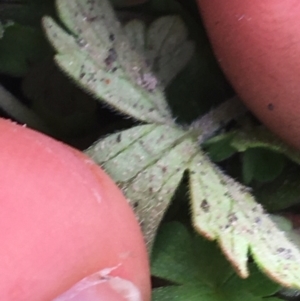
242, 140
261, 137
262, 165
282, 193
20, 47
191, 262
168, 50
219, 147
202, 84
263, 153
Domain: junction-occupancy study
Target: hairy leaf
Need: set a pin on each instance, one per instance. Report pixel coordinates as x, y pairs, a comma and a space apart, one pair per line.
224, 210
99, 57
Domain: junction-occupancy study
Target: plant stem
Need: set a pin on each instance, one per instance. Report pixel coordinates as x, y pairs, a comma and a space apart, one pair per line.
13, 107
207, 125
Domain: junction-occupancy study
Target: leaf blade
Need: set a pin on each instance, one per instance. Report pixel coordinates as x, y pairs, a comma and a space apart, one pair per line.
99, 38
240, 224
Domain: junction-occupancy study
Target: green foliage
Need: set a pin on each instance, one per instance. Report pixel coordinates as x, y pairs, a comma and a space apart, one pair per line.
198, 271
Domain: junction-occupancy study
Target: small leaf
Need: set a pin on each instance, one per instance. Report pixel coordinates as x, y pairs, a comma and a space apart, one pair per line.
200, 272
219, 147
136, 31
252, 138
169, 51
225, 211
263, 138
262, 165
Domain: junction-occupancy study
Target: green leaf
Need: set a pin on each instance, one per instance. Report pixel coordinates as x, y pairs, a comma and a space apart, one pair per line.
100, 58
262, 165
225, 211
200, 272
219, 147
20, 47
136, 32
261, 137
202, 84
168, 50
148, 162
282, 193
264, 154
243, 140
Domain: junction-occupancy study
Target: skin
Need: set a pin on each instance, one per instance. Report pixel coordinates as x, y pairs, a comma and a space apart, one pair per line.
257, 43
62, 219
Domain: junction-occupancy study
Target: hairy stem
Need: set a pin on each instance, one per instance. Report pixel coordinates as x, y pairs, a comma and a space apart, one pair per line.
207, 125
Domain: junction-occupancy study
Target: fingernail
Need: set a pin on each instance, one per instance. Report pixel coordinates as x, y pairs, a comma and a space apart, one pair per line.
102, 288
